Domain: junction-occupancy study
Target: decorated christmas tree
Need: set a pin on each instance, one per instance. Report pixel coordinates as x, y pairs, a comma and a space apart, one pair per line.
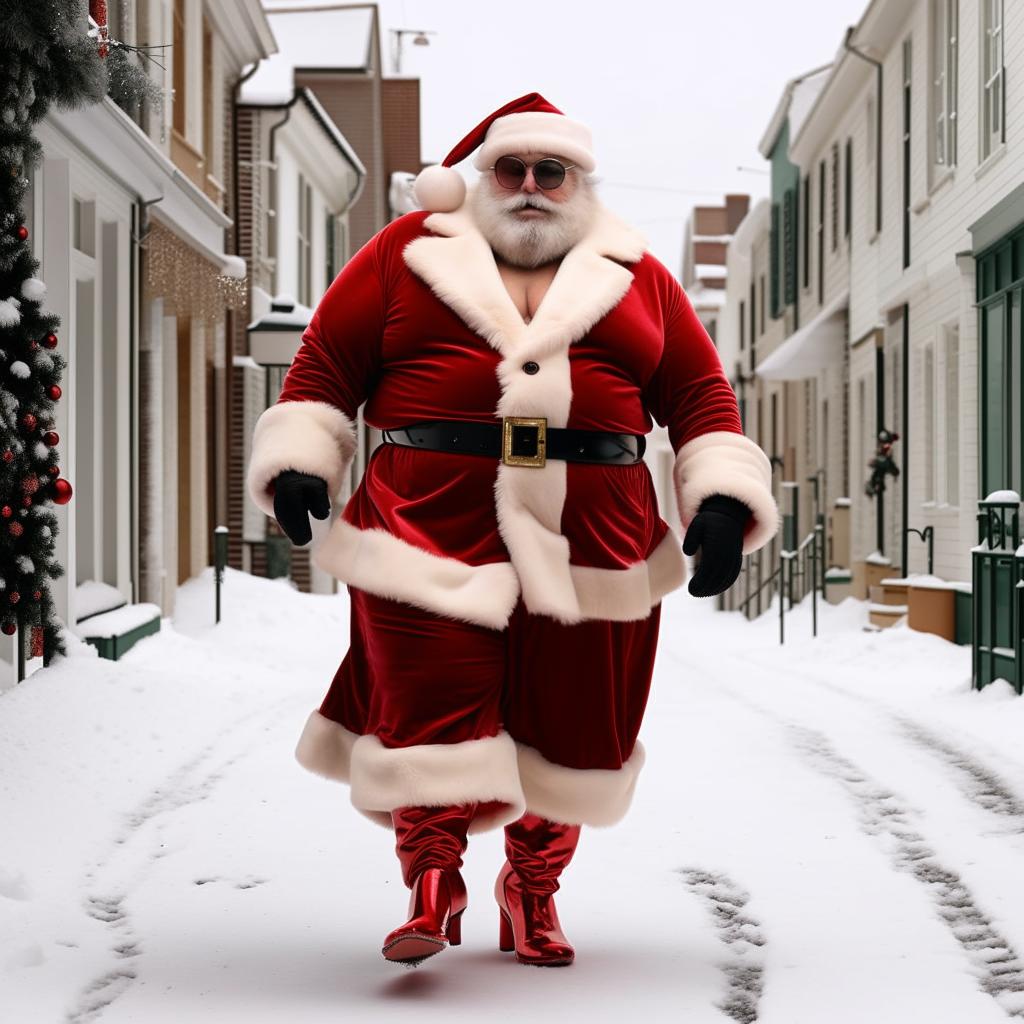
46, 57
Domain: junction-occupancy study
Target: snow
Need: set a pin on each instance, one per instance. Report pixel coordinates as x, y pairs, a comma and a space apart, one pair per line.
335, 39
233, 267
33, 289
10, 315
842, 503
1008, 497
877, 558
94, 596
119, 621
829, 830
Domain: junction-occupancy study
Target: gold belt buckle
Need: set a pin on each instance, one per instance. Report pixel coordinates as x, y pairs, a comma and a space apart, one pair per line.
507, 425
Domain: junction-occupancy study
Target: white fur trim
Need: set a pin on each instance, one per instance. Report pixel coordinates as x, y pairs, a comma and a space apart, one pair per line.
325, 748
439, 189
723, 462
537, 131
386, 565
310, 437
625, 595
573, 796
437, 775
459, 266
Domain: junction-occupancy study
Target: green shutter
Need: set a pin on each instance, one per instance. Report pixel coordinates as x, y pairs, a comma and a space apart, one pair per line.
775, 261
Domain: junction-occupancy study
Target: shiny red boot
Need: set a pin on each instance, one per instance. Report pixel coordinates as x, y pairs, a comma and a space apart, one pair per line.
430, 842
538, 850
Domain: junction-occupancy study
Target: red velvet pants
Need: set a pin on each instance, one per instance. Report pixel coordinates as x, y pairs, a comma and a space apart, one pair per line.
570, 697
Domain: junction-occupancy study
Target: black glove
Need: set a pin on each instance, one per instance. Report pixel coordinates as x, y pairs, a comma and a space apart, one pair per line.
295, 496
717, 530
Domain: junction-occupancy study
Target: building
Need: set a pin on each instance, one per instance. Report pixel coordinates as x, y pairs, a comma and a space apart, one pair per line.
907, 230
130, 212
299, 182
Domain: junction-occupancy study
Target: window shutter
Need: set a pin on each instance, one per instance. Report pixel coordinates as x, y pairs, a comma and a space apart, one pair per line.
774, 261
254, 400
789, 246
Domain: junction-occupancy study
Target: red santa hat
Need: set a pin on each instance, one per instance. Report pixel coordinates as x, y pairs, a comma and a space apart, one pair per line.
528, 123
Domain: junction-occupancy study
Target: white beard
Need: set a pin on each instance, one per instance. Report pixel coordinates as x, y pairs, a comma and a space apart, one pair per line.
532, 243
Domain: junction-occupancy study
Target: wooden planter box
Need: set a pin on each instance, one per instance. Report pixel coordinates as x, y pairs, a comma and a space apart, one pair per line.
933, 610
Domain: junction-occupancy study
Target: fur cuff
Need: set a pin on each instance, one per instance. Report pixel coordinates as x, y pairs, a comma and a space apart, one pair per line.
574, 796
309, 437
723, 462
436, 775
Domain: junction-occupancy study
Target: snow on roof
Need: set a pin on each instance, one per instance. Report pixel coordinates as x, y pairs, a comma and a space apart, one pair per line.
322, 37
308, 38
805, 92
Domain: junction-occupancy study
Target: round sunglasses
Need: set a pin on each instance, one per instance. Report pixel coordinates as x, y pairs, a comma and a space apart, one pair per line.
511, 172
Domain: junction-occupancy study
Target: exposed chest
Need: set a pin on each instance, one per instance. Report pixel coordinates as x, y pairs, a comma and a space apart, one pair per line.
526, 287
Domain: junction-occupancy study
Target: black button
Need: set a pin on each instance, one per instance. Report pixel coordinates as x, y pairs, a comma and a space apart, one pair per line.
531, 367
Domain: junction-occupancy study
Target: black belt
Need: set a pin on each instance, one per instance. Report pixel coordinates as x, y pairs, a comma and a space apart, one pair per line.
520, 441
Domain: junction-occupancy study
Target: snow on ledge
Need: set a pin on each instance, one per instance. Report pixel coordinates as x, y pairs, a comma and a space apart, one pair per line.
119, 621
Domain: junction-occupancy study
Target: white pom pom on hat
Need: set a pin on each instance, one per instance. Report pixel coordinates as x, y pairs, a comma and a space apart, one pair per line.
527, 123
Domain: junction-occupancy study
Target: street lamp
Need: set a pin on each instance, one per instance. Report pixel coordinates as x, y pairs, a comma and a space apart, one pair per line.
419, 39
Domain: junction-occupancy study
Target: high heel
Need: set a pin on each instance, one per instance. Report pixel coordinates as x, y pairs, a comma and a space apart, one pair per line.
538, 851
430, 842
436, 906
506, 940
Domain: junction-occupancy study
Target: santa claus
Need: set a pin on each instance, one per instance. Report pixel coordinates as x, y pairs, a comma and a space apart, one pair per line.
504, 552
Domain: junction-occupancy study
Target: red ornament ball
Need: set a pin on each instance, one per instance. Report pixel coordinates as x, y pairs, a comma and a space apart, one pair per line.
37, 595
16, 529
54, 392
30, 484
61, 491
9, 628
27, 501
52, 438
8, 455
14, 597
53, 470
22, 233
50, 341
6, 511
29, 421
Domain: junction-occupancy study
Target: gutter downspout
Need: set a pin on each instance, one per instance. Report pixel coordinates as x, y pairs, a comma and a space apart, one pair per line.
878, 124
904, 437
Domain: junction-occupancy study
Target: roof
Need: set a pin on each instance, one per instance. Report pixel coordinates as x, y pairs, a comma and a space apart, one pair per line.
323, 36
795, 103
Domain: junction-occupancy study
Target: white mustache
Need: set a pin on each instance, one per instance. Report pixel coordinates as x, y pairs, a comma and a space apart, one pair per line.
528, 202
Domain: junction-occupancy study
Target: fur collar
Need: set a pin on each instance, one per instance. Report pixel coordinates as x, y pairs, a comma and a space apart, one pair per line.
458, 264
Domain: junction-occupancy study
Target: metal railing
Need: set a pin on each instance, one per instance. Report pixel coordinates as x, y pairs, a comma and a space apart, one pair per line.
800, 572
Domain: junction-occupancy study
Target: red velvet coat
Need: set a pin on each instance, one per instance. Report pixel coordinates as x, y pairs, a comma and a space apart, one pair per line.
419, 326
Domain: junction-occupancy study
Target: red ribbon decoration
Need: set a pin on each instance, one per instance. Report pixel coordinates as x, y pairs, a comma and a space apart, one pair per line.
98, 13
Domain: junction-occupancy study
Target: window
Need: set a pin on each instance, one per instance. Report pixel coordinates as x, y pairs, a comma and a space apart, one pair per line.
179, 73
929, 455
945, 26
743, 322
951, 417
773, 261
871, 210
992, 83
762, 304
209, 120
807, 231
848, 190
907, 72
835, 196
821, 232
789, 247
305, 242
330, 252
270, 224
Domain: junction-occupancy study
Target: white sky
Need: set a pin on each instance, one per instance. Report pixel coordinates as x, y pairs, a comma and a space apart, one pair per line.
677, 93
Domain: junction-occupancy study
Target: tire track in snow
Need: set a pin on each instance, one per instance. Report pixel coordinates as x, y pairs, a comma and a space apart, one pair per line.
192, 782
884, 815
999, 968
980, 784
740, 934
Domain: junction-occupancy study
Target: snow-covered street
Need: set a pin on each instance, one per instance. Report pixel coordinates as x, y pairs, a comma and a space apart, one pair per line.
829, 831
